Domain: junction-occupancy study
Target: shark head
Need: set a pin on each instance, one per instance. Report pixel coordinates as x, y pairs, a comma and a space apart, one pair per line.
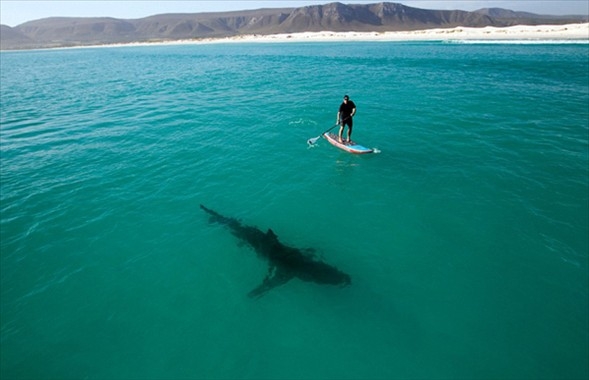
337, 277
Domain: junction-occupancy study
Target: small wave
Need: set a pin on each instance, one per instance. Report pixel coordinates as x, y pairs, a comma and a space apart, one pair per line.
56, 279
302, 122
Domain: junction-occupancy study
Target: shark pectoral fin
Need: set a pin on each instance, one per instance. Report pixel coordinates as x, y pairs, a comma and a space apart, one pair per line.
274, 278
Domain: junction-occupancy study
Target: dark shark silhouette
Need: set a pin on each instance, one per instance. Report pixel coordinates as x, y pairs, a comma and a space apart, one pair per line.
285, 263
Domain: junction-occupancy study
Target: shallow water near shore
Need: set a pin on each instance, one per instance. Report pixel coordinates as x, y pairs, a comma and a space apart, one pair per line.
465, 236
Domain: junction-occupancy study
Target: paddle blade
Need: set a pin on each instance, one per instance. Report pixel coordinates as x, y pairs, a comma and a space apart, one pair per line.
313, 140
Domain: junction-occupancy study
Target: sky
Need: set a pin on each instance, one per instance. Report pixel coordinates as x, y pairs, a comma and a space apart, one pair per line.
15, 12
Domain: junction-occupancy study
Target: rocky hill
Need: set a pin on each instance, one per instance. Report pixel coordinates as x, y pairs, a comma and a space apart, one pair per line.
67, 31
508, 14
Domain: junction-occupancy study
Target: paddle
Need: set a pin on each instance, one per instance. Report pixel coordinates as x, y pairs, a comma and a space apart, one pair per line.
313, 140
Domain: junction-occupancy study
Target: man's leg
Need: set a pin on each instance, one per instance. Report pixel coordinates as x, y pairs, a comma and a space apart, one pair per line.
341, 131
350, 130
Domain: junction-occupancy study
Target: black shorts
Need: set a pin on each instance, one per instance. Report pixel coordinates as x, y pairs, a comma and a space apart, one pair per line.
349, 122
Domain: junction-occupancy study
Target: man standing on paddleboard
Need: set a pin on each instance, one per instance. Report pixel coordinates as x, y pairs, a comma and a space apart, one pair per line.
344, 117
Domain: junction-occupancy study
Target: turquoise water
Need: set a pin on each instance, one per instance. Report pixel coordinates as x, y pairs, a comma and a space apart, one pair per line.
466, 236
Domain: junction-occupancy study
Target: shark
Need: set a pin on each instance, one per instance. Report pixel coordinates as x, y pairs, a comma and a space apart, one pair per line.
284, 262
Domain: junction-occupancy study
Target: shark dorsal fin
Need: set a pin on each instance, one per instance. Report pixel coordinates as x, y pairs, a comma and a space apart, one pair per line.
271, 234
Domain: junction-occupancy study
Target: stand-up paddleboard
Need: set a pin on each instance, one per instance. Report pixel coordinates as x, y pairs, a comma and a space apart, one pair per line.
351, 146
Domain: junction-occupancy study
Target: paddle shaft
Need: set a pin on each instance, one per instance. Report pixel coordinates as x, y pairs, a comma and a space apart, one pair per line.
329, 130
317, 138
346, 118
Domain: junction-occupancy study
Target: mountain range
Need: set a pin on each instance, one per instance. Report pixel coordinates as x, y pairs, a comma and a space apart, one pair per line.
337, 17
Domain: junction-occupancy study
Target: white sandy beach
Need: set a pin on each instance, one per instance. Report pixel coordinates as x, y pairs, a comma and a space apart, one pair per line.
520, 32
573, 33
569, 32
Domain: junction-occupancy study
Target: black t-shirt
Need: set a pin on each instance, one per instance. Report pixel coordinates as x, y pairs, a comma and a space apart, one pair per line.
345, 110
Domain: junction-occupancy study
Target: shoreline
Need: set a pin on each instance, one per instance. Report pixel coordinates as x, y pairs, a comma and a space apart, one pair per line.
541, 33
578, 32
568, 33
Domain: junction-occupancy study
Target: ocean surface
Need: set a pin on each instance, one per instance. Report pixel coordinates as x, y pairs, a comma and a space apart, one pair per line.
466, 235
